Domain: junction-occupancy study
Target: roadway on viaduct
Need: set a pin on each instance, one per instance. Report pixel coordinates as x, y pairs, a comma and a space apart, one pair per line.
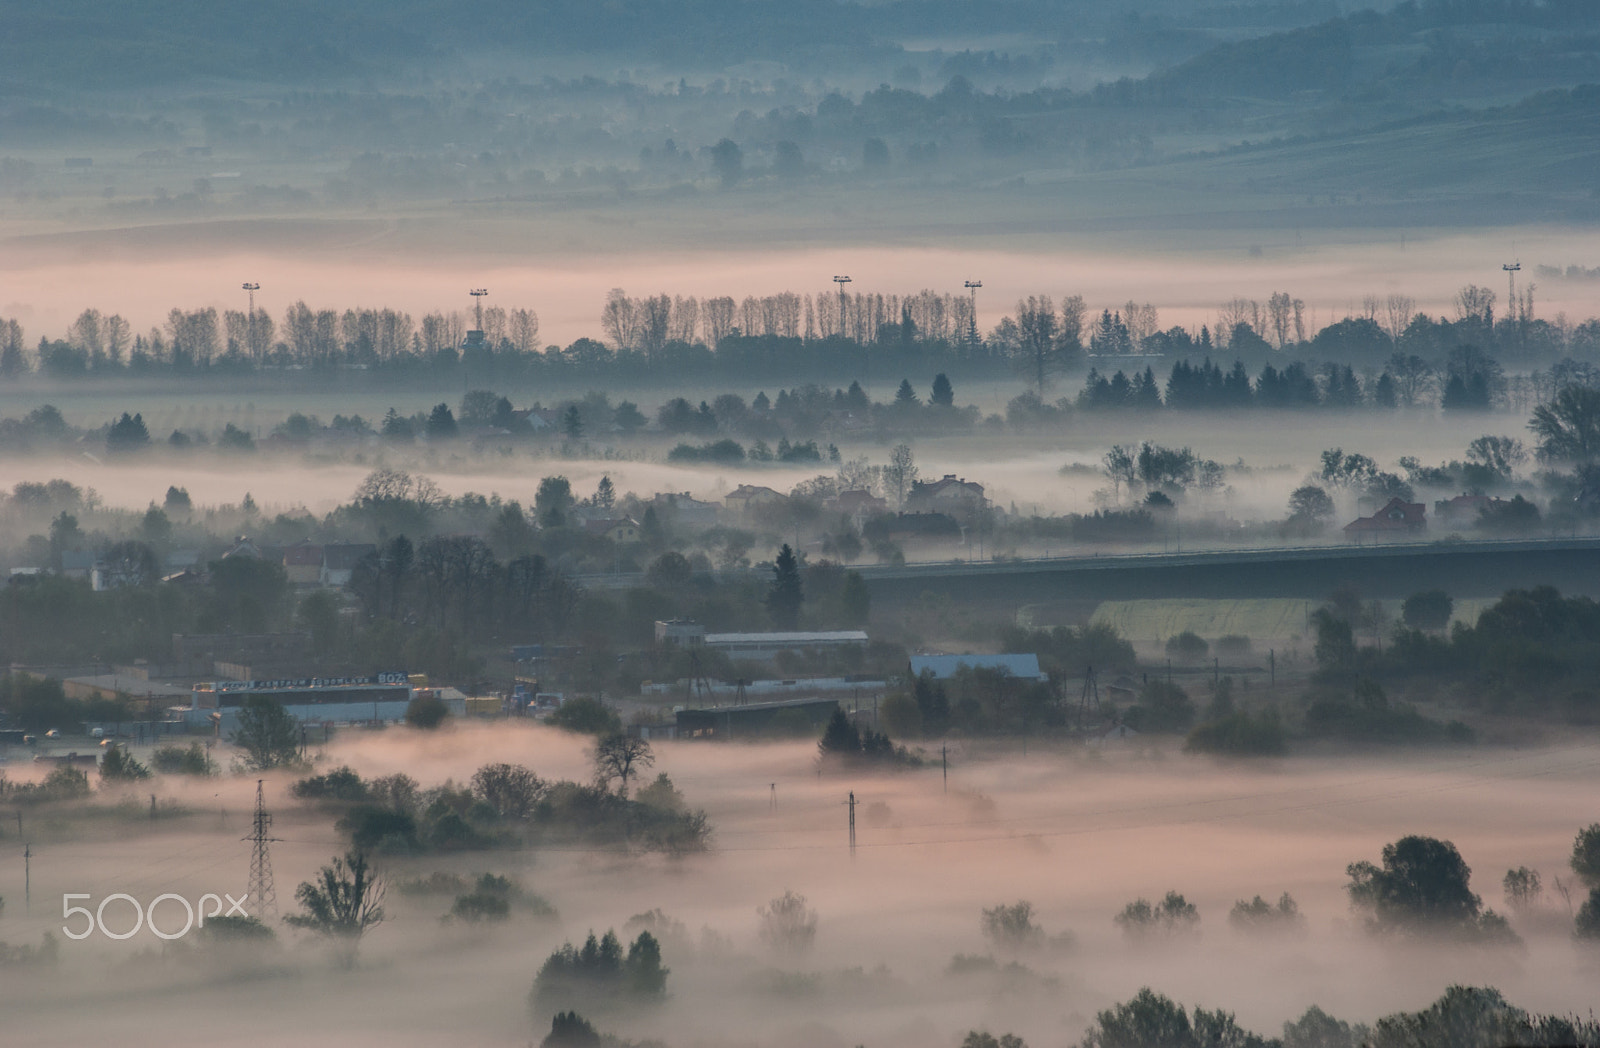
1396, 570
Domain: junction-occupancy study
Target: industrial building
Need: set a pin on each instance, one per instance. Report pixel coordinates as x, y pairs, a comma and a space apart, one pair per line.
752, 719
755, 647
380, 698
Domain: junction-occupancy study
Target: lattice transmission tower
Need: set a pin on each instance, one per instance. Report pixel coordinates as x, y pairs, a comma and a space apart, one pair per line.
261, 890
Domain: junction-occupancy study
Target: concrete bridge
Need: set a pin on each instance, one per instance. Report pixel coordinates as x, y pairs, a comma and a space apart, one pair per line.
1389, 571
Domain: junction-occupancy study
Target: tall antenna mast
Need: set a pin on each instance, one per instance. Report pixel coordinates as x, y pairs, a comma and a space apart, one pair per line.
1512, 269
972, 288
477, 294
250, 318
261, 890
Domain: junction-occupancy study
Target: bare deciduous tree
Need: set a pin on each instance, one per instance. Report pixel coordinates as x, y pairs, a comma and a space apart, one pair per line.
619, 756
1398, 311
524, 330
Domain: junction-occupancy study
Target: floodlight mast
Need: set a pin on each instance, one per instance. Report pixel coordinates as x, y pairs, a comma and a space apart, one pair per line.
251, 287
972, 287
477, 294
842, 281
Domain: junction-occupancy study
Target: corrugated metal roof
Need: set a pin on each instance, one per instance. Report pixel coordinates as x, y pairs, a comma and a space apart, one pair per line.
1024, 667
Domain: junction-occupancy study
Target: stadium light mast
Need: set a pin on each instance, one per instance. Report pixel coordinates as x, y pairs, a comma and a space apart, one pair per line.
251, 287
972, 287
1512, 269
477, 294
841, 281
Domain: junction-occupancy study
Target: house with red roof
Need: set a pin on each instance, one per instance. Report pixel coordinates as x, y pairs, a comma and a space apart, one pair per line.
1398, 519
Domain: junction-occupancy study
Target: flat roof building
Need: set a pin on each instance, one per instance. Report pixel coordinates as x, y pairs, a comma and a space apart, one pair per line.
755, 718
382, 697
764, 647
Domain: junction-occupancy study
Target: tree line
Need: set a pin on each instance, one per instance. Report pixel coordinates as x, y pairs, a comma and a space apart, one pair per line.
790, 333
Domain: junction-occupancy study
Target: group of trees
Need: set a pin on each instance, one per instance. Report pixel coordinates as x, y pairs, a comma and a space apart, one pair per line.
1467, 379
508, 804
599, 975
1464, 1017
1533, 651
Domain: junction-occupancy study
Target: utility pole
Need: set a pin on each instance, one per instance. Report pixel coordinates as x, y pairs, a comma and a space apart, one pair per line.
261, 890
1272, 666
250, 318
972, 287
944, 761
27, 875
773, 805
852, 824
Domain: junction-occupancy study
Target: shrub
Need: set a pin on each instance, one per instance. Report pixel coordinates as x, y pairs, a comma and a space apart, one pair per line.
42, 956
1240, 734
118, 765
985, 1039
1162, 707
1188, 646
426, 712
179, 760
480, 906
340, 784
586, 716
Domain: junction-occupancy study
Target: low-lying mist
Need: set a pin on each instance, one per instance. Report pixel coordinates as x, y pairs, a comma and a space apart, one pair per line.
1278, 452
1077, 835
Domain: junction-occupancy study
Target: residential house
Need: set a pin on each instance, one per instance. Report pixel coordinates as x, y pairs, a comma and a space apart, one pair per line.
339, 562
77, 563
686, 509
856, 504
1398, 519
746, 497
949, 494
303, 563
1464, 510
622, 530
243, 547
